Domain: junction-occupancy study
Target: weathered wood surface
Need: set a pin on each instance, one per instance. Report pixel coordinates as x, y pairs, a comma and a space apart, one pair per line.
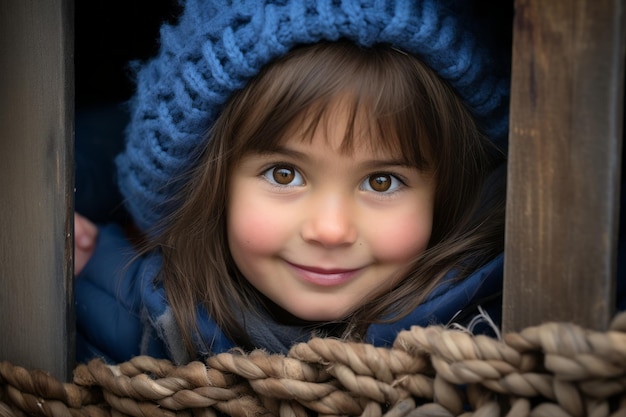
36, 184
564, 169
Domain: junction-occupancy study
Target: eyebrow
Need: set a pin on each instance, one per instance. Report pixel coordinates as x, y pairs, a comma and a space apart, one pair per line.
369, 164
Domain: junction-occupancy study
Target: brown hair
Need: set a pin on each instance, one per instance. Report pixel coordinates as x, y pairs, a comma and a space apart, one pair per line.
407, 101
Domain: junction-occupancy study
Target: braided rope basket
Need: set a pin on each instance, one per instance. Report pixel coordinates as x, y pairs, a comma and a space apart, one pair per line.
555, 369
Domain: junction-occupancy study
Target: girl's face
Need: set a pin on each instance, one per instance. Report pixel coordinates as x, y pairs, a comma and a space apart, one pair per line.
318, 229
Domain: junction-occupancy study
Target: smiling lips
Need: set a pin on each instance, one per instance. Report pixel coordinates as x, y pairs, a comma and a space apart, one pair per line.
324, 277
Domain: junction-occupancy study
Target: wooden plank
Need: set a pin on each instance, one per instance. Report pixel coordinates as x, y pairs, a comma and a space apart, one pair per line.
36, 184
564, 169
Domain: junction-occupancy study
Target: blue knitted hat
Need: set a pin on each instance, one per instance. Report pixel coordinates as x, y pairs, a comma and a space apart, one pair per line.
218, 45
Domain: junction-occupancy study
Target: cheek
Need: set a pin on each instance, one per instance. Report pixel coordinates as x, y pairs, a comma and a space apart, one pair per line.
402, 237
252, 229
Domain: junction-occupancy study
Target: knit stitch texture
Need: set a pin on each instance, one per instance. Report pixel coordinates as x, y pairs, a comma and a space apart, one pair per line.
218, 45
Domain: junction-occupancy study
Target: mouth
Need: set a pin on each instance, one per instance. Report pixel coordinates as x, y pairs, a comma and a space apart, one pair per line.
326, 277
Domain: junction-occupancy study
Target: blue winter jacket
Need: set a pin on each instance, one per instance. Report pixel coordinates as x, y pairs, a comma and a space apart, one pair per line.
122, 313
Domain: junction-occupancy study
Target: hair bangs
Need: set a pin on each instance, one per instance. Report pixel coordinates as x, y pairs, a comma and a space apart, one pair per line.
299, 93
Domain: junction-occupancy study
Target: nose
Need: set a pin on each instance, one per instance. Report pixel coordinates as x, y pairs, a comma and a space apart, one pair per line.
330, 222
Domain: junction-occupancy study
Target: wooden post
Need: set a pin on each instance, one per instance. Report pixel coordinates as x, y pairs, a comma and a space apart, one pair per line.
36, 184
564, 169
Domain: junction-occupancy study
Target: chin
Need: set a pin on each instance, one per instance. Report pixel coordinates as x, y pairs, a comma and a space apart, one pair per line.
319, 315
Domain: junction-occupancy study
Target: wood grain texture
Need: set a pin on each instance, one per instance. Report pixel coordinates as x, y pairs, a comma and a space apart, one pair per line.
564, 169
36, 184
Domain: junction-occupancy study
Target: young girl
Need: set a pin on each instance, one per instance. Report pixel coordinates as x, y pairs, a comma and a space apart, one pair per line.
301, 168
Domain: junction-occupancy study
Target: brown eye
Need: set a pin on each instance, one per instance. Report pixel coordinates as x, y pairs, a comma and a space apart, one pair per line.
284, 175
380, 182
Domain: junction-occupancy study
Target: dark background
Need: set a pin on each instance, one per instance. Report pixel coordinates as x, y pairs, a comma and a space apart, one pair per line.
109, 34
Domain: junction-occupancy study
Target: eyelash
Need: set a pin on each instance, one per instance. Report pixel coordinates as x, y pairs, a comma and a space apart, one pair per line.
268, 170
266, 173
387, 193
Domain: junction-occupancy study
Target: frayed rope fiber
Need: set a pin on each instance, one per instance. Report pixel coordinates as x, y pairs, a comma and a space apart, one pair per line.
554, 369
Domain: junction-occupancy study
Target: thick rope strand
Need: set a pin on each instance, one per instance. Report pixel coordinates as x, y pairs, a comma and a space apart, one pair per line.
554, 369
